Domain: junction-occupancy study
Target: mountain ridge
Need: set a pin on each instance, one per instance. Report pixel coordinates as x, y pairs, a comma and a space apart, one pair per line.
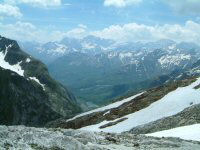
32, 73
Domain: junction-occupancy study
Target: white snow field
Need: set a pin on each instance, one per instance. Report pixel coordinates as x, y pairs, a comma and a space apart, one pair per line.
171, 104
191, 132
108, 107
15, 68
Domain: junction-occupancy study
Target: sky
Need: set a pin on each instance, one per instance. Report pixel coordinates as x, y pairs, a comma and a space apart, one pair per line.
119, 20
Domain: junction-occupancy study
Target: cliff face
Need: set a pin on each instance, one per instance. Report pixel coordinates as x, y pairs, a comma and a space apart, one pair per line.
28, 94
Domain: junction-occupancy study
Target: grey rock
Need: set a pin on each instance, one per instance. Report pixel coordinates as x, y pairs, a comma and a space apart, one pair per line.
29, 138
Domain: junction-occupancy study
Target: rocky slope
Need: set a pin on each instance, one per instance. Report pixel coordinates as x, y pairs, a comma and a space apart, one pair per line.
116, 113
20, 137
28, 94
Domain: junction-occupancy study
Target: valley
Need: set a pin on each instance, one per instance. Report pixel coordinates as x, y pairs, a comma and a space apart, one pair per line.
159, 112
105, 70
99, 75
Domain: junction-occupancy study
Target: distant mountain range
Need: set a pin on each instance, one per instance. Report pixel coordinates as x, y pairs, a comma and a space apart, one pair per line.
99, 70
28, 95
165, 116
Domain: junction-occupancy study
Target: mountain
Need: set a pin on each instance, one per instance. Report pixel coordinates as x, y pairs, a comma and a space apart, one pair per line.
165, 116
28, 95
168, 110
98, 70
103, 76
144, 107
48, 52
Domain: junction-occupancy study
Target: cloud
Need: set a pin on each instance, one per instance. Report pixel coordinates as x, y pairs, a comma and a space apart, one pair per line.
82, 26
9, 11
25, 31
139, 32
191, 7
36, 3
121, 3
78, 32
132, 32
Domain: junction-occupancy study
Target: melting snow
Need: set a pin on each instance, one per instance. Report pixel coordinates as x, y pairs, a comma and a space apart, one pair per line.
114, 105
36, 80
15, 68
171, 104
191, 132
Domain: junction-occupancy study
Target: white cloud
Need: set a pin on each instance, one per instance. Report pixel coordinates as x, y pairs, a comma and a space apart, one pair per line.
138, 32
37, 3
82, 26
121, 3
11, 11
25, 31
185, 6
131, 32
77, 33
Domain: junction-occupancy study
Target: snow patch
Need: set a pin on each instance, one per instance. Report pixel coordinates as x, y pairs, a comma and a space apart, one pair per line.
124, 55
15, 68
173, 59
36, 80
28, 60
111, 106
191, 132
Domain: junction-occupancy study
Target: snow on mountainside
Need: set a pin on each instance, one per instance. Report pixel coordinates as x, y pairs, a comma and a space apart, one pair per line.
173, 59
191, 132
172, 103
16, 67
94, 45
99, 70
25, 85
158, 108
152, 105
121, 65
111, 106
53, 50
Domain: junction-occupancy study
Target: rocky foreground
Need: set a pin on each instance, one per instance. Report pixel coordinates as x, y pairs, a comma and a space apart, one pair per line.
26, 138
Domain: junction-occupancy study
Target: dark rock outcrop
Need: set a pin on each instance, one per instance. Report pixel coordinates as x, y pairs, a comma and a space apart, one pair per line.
33, 98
